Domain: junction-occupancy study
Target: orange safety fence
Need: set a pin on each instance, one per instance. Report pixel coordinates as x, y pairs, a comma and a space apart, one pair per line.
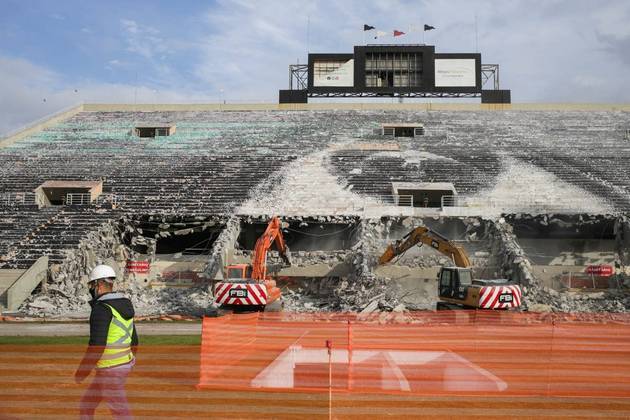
276, 365
489, 353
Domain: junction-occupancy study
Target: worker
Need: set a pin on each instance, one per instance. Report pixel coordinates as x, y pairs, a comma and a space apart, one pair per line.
112, 347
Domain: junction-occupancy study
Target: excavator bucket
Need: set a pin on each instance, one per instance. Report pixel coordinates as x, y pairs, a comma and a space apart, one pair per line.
387, 256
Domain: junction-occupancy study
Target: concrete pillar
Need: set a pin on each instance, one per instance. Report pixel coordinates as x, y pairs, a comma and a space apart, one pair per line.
622, 239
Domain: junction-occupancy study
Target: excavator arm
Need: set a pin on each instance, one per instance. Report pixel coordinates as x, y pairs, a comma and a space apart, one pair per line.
426, 236
273, 234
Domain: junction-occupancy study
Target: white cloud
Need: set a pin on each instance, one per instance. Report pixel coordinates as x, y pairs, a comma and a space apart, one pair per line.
144, 40
116, 64
130, 25
35, 92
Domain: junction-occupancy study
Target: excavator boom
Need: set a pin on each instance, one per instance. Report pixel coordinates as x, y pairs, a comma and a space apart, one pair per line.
429, 237
273, 234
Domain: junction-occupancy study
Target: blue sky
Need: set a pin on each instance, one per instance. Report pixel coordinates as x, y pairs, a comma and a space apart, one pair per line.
69, 51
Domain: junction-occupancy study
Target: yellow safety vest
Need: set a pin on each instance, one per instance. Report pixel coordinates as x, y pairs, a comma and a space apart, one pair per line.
118, 349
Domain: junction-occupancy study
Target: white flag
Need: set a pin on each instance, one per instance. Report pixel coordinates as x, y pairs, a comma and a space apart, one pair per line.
381, 33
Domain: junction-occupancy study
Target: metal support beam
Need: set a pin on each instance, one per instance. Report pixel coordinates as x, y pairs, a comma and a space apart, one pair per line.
490, 71
299, 73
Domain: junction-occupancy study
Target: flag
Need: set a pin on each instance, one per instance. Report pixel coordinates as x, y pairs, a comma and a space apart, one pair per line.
398, 33
380, 33
368, 27
428, 27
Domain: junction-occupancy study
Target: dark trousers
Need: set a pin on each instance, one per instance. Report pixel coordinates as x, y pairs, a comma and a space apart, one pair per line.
108, 385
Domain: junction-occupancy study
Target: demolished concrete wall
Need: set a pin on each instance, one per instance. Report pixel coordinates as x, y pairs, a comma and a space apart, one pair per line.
359, 291
539, 297
223, 249
66, 291
513, 262
66, 294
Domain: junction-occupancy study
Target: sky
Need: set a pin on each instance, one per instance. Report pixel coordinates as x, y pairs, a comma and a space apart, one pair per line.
55, 54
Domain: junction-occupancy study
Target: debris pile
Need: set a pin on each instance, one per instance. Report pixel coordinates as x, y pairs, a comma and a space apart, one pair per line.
540, 298
146, 301
300, 258
66, 290
360, 291
354, 287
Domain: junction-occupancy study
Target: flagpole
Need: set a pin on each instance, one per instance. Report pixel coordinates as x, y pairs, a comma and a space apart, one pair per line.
476, 35
308, 33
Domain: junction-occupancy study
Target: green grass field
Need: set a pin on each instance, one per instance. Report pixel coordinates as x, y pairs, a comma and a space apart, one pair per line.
149, 340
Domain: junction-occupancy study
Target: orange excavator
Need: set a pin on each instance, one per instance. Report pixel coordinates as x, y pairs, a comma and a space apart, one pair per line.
457, 289
248, 284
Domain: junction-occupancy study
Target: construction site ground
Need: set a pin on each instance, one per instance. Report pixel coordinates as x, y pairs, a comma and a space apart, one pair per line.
38, 382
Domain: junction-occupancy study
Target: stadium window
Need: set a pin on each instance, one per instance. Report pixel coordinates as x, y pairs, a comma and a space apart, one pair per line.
154, 130
393, 70
63, 192
403, 129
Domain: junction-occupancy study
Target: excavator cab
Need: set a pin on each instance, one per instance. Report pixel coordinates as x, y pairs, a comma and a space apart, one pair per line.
238, 271
454, 282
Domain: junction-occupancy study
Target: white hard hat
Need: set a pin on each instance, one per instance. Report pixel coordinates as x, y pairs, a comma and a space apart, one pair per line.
102, 272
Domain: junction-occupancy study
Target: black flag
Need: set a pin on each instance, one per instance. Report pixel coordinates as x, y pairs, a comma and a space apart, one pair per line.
368, 27
428, 27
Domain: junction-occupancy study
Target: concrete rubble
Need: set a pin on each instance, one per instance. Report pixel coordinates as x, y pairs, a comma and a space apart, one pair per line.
540, 298
360, 290
66, 293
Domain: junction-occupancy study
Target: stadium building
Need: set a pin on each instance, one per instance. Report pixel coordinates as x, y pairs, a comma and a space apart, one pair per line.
170, 194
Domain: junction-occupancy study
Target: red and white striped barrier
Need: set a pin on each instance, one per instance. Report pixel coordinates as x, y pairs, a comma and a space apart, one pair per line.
500, 297
227, 293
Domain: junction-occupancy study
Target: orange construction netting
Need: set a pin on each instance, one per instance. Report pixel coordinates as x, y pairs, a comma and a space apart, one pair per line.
490, 353
443, 364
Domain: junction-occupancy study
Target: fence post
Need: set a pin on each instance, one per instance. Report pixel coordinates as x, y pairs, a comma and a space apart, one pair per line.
349, 354
329, 347
550, 363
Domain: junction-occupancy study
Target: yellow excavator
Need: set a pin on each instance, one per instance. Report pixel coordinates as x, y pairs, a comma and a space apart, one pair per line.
457, 289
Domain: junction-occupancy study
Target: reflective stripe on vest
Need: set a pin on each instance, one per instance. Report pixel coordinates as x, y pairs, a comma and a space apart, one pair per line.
118, 349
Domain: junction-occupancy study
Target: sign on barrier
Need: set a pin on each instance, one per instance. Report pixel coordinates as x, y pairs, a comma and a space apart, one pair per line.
141, 267
600, 270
